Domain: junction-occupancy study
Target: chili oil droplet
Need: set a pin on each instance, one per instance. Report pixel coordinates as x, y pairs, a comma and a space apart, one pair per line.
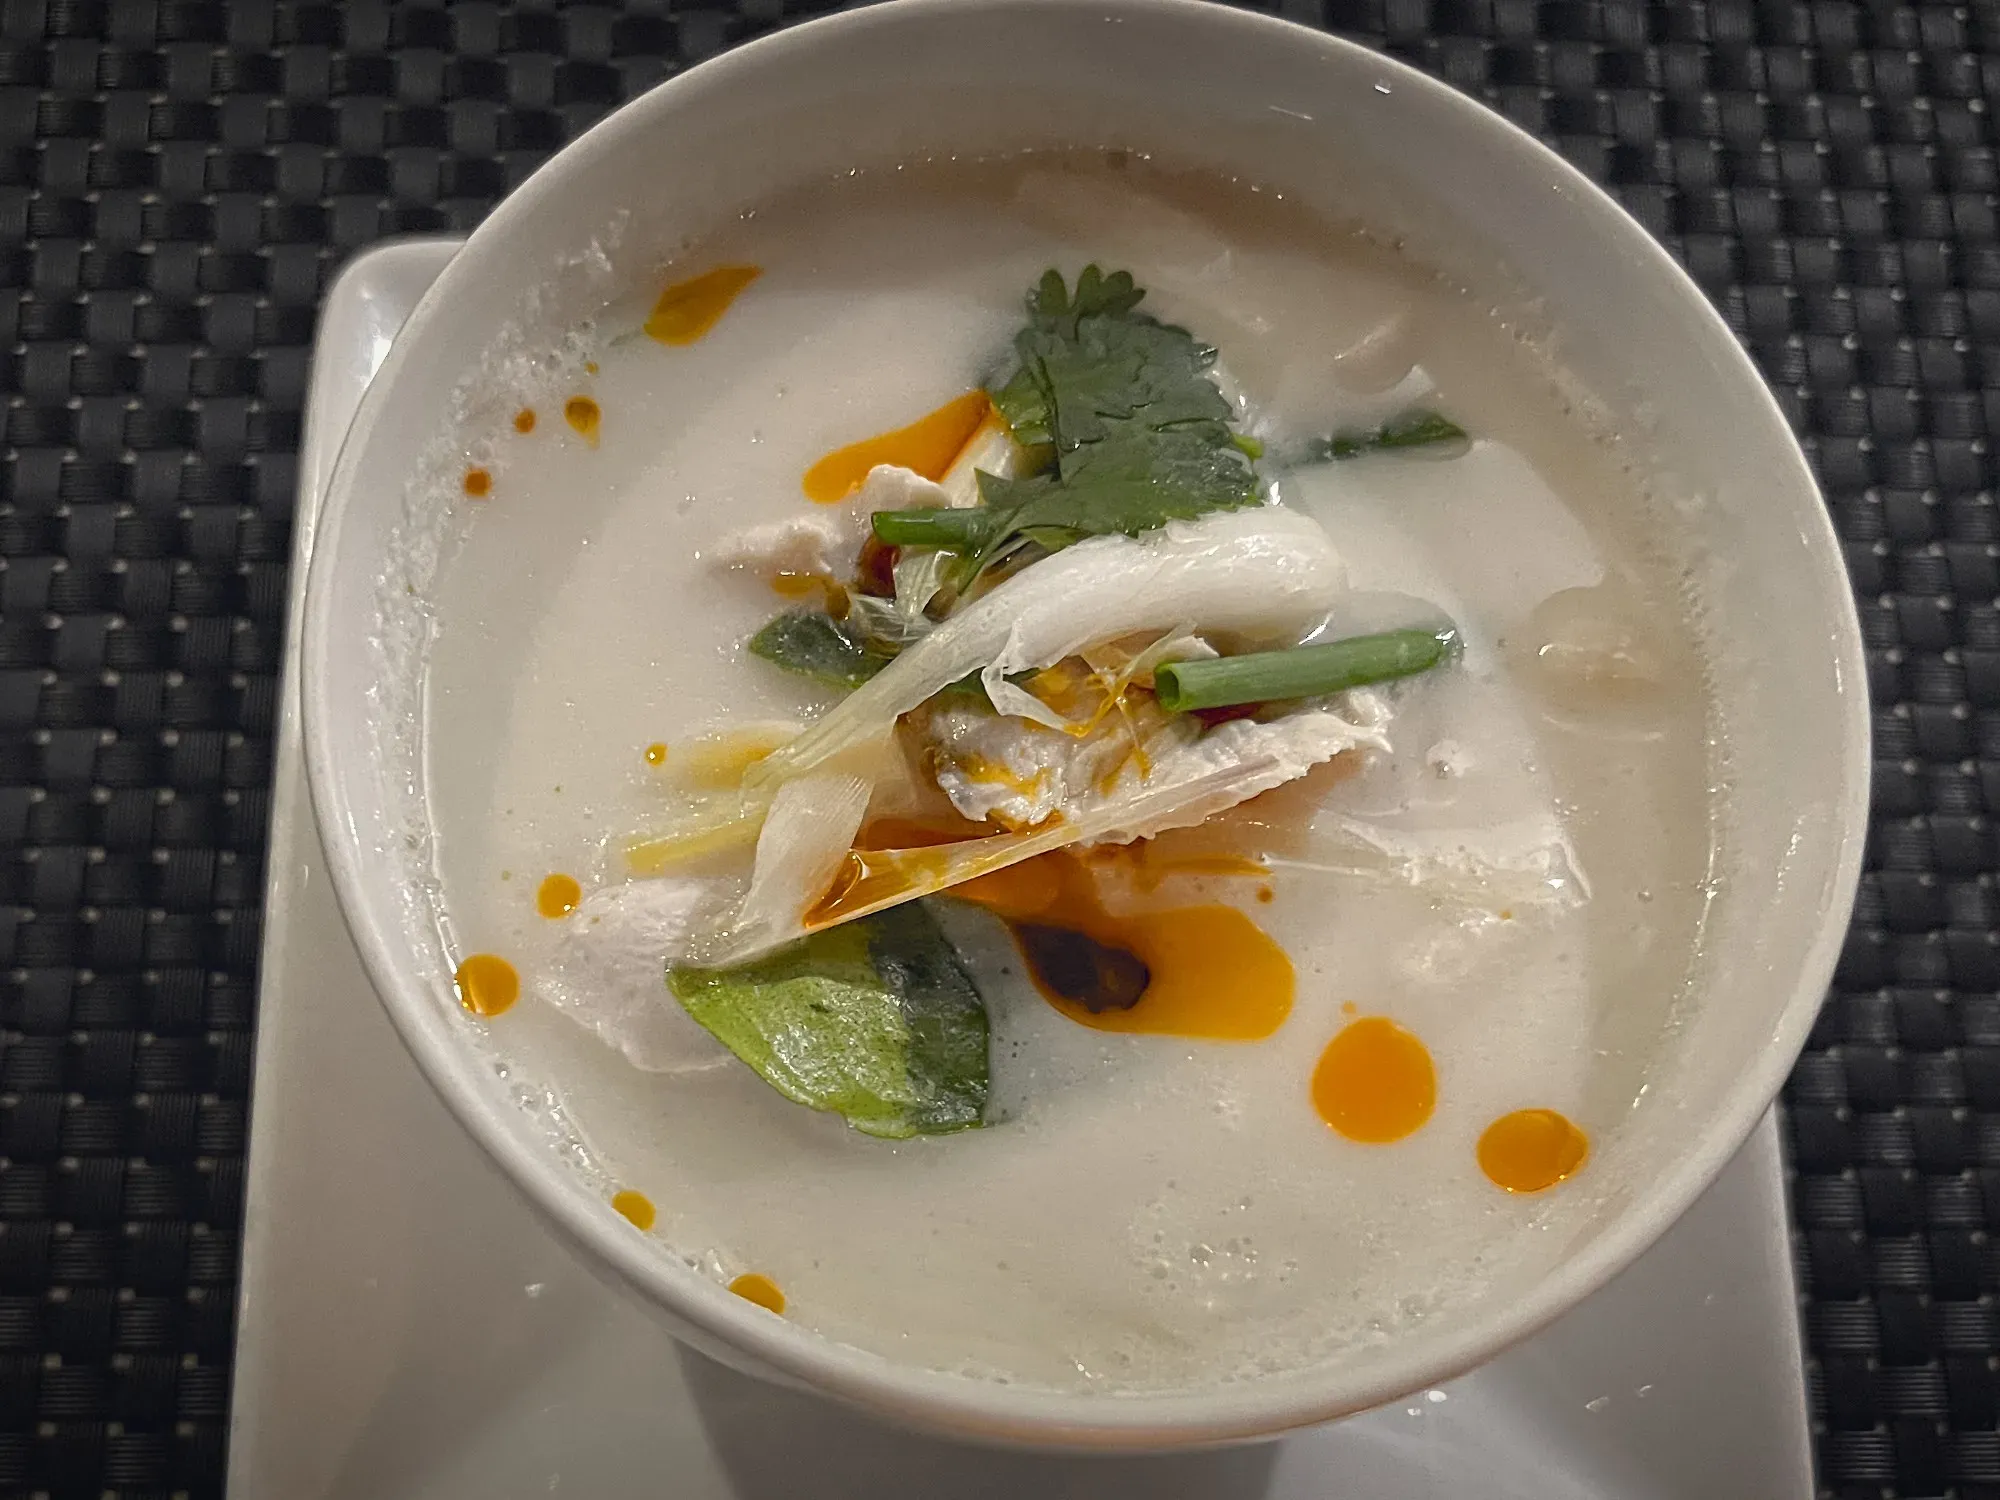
636, 1207
487, 985
558, 896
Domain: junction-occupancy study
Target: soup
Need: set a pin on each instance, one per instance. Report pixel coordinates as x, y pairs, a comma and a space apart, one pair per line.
800, 843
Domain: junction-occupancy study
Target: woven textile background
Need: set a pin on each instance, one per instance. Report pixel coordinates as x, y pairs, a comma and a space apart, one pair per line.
179, 180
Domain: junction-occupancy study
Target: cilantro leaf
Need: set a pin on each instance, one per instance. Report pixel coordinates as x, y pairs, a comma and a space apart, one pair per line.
1127, 481
1125, 407
1055, 319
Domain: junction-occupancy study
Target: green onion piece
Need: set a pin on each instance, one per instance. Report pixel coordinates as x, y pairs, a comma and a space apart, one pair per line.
1417, 428
952, 530
1414, 429
1301, 672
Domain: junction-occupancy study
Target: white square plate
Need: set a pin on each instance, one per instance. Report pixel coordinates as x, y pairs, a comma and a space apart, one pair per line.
408, 1327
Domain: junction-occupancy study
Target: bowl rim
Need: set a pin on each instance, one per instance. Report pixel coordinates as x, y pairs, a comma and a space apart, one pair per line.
962, 1405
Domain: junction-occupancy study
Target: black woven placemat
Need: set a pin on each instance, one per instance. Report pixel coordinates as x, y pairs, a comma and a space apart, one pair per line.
177, 181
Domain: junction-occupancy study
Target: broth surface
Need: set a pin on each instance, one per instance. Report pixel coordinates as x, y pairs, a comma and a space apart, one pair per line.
1149, 1212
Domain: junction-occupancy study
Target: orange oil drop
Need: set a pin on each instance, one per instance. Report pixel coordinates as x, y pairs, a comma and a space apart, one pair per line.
1531, 1150
1212, 972
636, 1207
478, 483
487, 985
1375, 1082
687, 310
524, 420
761, 1290
928, 446
656, 753
558, 896
586, 416
868, 876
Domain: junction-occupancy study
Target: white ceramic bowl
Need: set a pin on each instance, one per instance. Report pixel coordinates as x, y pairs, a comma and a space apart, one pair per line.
1342, 130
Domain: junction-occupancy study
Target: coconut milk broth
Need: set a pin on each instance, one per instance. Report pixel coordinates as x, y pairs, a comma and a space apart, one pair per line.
1151, 1212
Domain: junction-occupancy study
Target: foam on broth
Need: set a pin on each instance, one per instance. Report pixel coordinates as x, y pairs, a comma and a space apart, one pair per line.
1151, 1213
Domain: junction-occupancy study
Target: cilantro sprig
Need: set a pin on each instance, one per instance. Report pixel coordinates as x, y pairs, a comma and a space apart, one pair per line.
1121, 411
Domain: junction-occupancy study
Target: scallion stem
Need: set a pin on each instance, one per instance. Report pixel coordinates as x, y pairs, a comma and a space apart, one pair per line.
1301, 672
952, 530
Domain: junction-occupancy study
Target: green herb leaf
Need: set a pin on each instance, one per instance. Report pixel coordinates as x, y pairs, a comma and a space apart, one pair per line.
816, 645
1138, 430
1415, 429
1129, 481
873, 1020
1055, 318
